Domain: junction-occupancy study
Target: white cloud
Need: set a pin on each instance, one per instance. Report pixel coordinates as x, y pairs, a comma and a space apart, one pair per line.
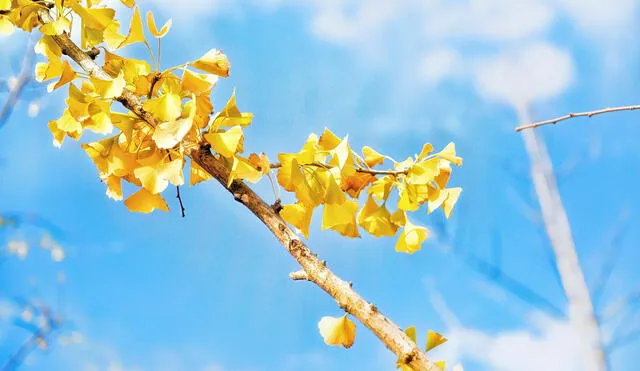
440, 64
188, 9
551, 342
525, 74
488, 20
601, 18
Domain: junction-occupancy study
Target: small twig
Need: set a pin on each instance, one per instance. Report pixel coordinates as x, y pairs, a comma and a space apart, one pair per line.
299, 275
15, 91
623, 340
579, 114
613, 249
276, 165
617, 306
179, 197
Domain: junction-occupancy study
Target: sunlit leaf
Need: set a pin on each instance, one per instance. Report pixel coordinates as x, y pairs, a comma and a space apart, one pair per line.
434, 339
339, 331
151, 24
144, 201
215, 62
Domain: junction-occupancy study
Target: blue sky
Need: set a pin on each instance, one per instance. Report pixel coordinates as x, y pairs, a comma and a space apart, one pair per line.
211, 292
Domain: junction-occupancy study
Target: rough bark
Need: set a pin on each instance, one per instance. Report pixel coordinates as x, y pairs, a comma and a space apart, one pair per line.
317, 272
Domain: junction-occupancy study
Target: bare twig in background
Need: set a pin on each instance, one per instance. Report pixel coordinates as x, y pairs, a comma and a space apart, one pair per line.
16, 88
493, 272
39, 337
613, 250
580, 305
579, 114
623, 303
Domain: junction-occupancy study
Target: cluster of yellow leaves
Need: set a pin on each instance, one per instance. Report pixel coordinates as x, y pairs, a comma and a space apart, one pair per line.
178, 98
434, 339
327, 172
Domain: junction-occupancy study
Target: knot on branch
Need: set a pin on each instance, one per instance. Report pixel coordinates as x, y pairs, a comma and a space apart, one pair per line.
241, 197
277, 206
93, 52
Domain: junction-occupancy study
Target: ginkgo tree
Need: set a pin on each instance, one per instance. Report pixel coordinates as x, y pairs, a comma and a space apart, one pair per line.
161, 121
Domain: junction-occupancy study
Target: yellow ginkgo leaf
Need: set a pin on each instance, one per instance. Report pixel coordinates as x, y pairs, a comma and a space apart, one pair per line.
110, 35
434, 339
114, 187
65, 126
96, 18
100, 119
198, 82
109, 89
6, 27
376, 219
168, 134
48, 47
68, 74
381, 188
198, 174
341, 218
411, 333
446, 198
411, 238
5, 4
328, 140
260, 162
337, 331
167, 107
371, 157
299, 215
215, 62
226, 143
450, 201
441, 365
231, 115
151, 24
310, 183
355, 183
426, 149
47, 71
156, 178
56, 27
241, 168
136, 34
128, 3
449, 154
399, 218
144, 201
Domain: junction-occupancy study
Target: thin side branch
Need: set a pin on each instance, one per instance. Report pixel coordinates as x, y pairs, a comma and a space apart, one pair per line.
299, 276
349, 300
579, 114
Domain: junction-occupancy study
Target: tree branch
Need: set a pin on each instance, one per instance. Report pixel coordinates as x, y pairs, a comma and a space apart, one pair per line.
579, 114
349, 300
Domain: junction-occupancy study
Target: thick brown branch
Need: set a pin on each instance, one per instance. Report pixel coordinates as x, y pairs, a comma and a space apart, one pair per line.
389, 333
317, 272
579, 114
